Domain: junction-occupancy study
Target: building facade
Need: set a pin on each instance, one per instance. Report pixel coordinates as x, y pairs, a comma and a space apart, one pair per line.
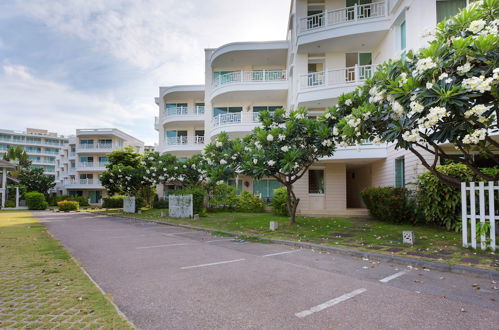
331, 47
84, 158
41, 146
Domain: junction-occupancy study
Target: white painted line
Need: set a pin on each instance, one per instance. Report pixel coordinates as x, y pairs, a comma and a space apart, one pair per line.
391, 277
279, 253
330, 303
212, 264
159, 246
175, 233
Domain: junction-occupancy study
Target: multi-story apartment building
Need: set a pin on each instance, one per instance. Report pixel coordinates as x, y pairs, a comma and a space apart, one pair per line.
331, 47
41, 146
84, 158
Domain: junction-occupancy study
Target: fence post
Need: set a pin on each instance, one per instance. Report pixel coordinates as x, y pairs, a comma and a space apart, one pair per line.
473, 215
464, 217
482, 214
492, 216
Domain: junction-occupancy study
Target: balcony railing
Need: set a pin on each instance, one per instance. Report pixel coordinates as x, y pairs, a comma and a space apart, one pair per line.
96, 146
352, 74
250, 76
184, 111
92, 164
235, 118
343, 15
199, 110
181, 140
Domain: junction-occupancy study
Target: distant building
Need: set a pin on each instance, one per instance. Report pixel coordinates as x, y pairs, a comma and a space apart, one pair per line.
41, 146
84, 158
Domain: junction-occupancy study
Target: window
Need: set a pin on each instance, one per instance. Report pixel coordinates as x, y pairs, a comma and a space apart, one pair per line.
238, 186
176, 137
103, 159
223, 110
265, 188
106, 142
267, 108
403, 41
400, 172
84, 142
316, 181
176, 108
86, 176
85, 159
448, 8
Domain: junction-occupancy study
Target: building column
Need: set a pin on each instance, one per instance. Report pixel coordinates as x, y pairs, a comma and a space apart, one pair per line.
4, 186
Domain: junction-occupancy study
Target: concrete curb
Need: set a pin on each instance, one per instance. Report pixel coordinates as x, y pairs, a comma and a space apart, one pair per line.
354, 253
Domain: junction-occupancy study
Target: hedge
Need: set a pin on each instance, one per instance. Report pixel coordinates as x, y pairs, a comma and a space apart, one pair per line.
197, 197
390, 204
113, 202
36, 201
278, 203
67, 206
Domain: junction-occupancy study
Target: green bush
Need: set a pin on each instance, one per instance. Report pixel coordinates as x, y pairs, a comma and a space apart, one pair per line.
36, 201
440, 203
248, 202
159, 203
224, 198
10, 204
82, 201
390, 204
197, 198
278, 203
12, 192
139, 203
67, 206
53, 200
112, 202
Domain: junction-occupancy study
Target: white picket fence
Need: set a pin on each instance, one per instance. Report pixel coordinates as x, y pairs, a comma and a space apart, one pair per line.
478, 204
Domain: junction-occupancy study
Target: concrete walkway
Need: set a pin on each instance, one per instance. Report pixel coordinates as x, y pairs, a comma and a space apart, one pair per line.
165, 277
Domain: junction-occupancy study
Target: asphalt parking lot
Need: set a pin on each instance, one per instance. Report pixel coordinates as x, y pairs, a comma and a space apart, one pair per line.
164, 277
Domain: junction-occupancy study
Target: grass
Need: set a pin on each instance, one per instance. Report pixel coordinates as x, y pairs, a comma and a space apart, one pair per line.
432, 243
42, 286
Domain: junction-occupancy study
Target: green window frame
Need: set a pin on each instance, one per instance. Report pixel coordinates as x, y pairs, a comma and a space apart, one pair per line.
403, 36
400, 172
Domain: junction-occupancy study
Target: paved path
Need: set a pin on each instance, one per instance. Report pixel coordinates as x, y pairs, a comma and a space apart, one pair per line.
164, 277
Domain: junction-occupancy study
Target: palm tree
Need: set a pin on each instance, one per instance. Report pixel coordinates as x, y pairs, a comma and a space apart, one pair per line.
19, 157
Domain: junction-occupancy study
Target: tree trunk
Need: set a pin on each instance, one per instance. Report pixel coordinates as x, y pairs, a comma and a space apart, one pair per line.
291, 203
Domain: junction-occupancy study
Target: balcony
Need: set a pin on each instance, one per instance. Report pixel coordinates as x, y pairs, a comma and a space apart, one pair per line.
91, 166
183, 114
249, 81
82, 184
332, 83
366, 21
184, 143
238, 123
95, 147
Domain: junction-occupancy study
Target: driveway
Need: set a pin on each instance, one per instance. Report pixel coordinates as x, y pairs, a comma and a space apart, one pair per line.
164, 277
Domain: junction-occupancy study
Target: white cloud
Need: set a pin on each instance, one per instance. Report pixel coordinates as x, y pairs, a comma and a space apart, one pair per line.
154, 34
28, 101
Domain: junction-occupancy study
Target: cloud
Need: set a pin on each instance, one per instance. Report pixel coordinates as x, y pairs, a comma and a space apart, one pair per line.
28, 101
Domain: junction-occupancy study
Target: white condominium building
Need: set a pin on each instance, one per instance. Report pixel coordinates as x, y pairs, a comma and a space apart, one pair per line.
41, 146
84, 158
331, 47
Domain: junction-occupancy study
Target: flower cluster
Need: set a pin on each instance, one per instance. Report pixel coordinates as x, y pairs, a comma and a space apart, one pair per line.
475, 137
434, 115
423, 65
480, 84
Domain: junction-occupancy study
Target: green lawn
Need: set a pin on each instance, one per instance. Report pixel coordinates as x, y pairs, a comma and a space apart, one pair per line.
432, 243
41, 286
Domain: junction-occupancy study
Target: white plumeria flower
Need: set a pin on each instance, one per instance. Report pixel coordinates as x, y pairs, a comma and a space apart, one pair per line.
270, 137
271, 162
285, 148
429, 85
255, 161
348, 102
464, 68
448, 81
223, 162
443, 76
220, 181
476, 26
281, 137
218, 144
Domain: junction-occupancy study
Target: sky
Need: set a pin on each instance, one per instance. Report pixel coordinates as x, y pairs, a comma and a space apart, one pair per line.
68, 64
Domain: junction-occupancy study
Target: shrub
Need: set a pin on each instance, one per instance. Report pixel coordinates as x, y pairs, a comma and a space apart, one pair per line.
197, 197
112, 202
441, 203
139, 203
67, 206
278, 203
10, 204
248, 202
82, 201
53, 200
390, 204
160, 203
36, 201
224, 198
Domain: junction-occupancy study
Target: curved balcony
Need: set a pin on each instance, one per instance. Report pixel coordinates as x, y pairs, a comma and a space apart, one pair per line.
82, 184
261, 81
95, 147
367, 22
332, 83
179, 115
91, 166
236, 124
189, 144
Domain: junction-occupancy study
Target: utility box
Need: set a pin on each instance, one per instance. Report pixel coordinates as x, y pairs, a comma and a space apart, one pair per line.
408, 237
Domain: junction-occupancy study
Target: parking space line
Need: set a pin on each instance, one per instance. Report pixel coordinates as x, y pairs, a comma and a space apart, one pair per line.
391, 277
329, 303
279, 253
159, 246
212, 264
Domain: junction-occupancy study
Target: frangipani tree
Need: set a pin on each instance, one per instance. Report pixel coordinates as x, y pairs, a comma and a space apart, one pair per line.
221, 159
445, 93
284, 147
